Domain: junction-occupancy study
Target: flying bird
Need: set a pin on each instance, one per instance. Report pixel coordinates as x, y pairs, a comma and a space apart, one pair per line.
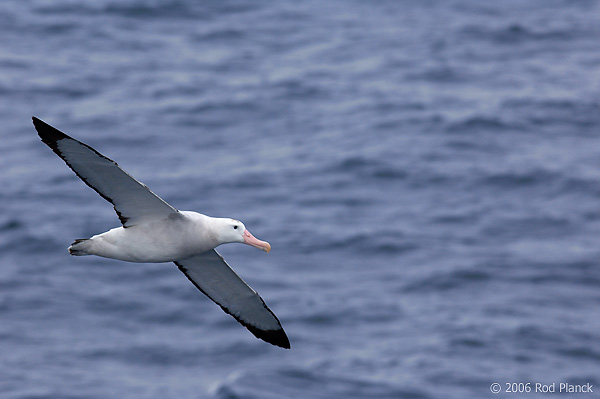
154, 231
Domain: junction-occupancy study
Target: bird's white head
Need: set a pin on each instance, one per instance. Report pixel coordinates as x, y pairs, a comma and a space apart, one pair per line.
231, 230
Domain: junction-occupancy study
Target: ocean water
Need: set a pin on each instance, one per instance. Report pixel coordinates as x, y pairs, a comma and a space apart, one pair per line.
427, 173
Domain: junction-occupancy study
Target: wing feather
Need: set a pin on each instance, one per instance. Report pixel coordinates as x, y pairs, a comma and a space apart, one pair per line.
212, 275
132, 200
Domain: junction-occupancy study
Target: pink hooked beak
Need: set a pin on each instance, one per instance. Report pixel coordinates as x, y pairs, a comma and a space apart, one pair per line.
255, 242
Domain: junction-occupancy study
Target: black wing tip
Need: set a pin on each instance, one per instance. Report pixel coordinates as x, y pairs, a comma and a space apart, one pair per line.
40, 125
49, 134
273, 337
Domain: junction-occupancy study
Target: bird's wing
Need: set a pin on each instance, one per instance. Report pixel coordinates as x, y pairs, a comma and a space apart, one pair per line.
212, 275
132, 200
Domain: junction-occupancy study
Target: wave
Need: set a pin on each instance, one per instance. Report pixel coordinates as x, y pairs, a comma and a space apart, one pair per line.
517, 33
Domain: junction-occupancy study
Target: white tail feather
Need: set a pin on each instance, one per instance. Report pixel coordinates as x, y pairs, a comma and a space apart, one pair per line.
80, 247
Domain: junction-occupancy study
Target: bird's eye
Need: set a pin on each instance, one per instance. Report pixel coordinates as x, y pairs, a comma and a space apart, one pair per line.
235, 227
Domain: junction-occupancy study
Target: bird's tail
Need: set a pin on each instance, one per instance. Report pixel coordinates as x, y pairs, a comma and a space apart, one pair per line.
80, 247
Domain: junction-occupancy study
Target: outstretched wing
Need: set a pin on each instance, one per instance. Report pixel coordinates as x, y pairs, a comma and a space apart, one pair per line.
212, 275
132, 200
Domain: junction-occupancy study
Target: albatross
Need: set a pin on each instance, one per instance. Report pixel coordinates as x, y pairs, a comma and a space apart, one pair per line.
153, 231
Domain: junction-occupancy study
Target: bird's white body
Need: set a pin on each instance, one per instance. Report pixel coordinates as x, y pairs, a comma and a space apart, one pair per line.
179, 236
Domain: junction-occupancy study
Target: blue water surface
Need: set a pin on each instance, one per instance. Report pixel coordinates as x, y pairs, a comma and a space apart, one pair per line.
427, 173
